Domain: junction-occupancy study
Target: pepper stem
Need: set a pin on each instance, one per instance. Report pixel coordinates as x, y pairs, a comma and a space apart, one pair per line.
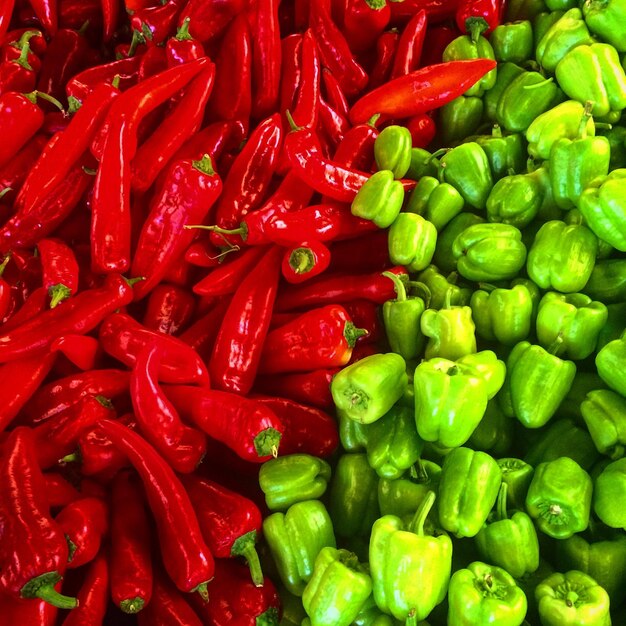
398, 286
423, 291
540, 84
203, 591
292, 125
372, 120
584, 120
496, 130
267, 441
204, 165
411, 618
242, 230
501, 504
132, 606
3, 265
42, 587
302, 260
475, 27
4, 192
73, 457
137, 39
58, 293
33, 95
419, 519
22, 60
418, 472
245, 546
554, 347
182, 34
351, 333
376, 5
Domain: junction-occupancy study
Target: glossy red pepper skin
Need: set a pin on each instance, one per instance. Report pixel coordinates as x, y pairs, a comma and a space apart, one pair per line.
292, 194
186, 557
366, 316
6, 13
169, 309
167, 607
249, 429
410, 44
310, 388
183, 48
32, 612
202, 333
82, 351
86, 81
59, 265
212, 140
364, 21
47, 13
155, 23
16, 171
421, 91
34, 304
386, 47
334, 95
291, 71
203, 253
110, 17
305, 110
130, 552
438, 37
230, 522
59, 491
367, 253
19, 66
423, 129
304, 261
239, 343
332, 125
181, 446
489, 10
209, 18
33, 543
84, 522
93, 595
436, 10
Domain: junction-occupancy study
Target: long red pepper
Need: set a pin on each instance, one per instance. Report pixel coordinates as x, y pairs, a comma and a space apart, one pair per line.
82, 351
239, 343
211, 140
186, 557
332, 122
230, 522
410, 44
208, 18
33, 554
310, 388
334, 94
47, 13
31, 612
60, 269
110, 17
93, 595
15, 172
181, 446
80, 314
130, 554
170, 309
124, 71
307, 101
6, 12
291, 71
167, 607
364, 22
423, 90
291, 194
187, 195
266, 58
59, 491
84, 522
436, 10
386, 46
34, 304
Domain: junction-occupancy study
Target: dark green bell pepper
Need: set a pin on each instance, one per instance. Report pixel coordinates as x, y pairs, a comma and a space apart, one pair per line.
371, 615
352, 434
513, 41
459, 118
615, 324
524, 9
444, 257
392, 150
450, 332
607, 19
607, 282
506, 153
611, 364
517, 475
507, 72
609, 493
516, 200
617, 142
379, 199
468, 489
423, 163
559, 498
412, 240
604, 412
494, 433
295, 538
444, 290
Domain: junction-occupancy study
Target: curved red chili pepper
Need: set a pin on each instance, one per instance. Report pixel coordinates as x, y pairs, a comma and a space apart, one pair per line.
334, 125
208, 18
230, 522
291, 70
86, 81
34, 304
423, 90
304, 261
364, 21
167, 607
438, 37
59, 491
32, 612
334, 94
60, 268
436, 10
183, 48
6, 13
130, 553
82, 351
186, 557
155, 23
386, 47
169, 309
306, 103
47, 13
110, 17
489, 10
410, 44
291, 194
311, 388
423, 129
84, 523
366, 316
16, 171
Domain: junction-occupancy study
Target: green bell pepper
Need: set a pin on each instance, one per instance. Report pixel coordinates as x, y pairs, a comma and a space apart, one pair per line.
423, 163
615, 324
379, 199
459, 118
489, 252
571, 323
393, 444
467, 169
559, 498
607, 19
295, 538
593, 73
564, 35
517, 475
542, 22
575, 163
509, 542
513, 42
293, 478
353, 498
485, 594
536, 383
604, 412
609, 493
437, 202
561, 5
515, 200
503, 315
611, 364
292, 610
418, 200
444, 257
603, 206
403, 496
584, 382
523, 9
468, 489
450, 332
412, 241
410, 565
572, 599
392, 150
507, 72
617, 142
352, 434
505, 153
607, 282
494, 433
444, 291
562, 256
367, 389
561, 122
371, 615
338, 589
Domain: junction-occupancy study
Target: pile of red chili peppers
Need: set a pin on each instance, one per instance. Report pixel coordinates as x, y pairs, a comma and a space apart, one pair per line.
148, 369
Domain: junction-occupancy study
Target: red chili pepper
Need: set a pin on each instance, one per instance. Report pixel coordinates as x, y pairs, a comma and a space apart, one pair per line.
155, 23
291, 70
292, 194
436, 10
93, 595
386, 47
311, 388
335, 51
335, 96
38, 43
320, 338
183, 48
47, 13
31, 612
110, 225
438, 37
84, 82
363, 350
250, 430
364, 22
489, 10
130, 554
170, 308
33, 553
266, 58
79, 315
202, 253
338, 289
307, 101
209, 18
58, 436
59, 491
60, 269
124, 338
356, 149
167, 607
423, 129
230, 522
239, 343
81, 350
84, 522
304, 261
6, 13
423, 90
202, 334
16, 171
235, 599
75, 13
187, 559
34, 304
153, 61
410, 44
366, 316
18, 71
110, 17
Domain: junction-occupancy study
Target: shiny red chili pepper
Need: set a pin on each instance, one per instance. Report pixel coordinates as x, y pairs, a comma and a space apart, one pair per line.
230, 522
76, 13
82, 351
438, 37
212, 140
38, 43
16, 171
489, 10
334, 289
110, 219
335, 51
31, 612
364, 22
363, 350
366, 316
356, 149
84, 82
422, 128
306, 104
250, 430
33, 553
335, 96
93, 595
436, 10
34, 304
291, 70
423, 90
167, 607
209, 18
170, 308
59, 491
291, 194
239, 343
202, 333
155, 23
183, 48
47, 13
310, 388
19, 67
203, 253
332, 123
186, 557
130, 552
60, 269
386, 46
124, 338
6, 13
110, 17
153, 61
410, 44
304, 261
84, 522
